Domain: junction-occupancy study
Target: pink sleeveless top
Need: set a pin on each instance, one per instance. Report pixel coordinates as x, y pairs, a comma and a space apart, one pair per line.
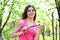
30, 34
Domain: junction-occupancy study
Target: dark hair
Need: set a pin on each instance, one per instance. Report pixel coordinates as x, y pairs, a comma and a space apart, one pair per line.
24, 15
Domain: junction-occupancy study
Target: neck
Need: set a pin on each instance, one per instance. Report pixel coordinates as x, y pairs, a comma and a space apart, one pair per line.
30, 19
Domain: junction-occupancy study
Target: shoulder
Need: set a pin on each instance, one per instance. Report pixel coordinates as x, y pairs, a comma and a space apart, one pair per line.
21, 21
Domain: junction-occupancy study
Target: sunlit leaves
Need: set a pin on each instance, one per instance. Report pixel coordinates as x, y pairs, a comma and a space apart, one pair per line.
43, 14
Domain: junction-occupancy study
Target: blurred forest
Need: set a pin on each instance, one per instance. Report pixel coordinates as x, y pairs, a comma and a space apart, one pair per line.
11, 11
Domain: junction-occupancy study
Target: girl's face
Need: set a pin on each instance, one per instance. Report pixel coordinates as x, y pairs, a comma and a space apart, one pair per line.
30, 12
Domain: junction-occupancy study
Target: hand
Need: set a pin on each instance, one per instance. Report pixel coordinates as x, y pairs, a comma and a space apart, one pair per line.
42, 23
25, 29
39, 27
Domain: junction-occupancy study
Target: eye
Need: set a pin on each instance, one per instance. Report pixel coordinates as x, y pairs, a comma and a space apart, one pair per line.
33, 10
30, 10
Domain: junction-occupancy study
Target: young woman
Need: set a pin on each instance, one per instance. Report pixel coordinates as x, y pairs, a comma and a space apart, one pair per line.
28, 20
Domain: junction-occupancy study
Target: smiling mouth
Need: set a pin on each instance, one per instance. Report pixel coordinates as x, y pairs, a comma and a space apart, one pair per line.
31, 14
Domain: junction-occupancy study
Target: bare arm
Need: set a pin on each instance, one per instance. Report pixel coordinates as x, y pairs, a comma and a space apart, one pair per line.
15, 32
37, 34
38, 31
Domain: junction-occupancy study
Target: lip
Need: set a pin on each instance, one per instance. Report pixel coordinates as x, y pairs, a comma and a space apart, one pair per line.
31, 14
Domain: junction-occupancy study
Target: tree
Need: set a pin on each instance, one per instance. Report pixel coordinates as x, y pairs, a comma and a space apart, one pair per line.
2, 27
58, 8
48, 31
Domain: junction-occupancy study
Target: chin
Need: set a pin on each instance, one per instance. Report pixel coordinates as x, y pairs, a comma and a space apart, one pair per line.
31, 16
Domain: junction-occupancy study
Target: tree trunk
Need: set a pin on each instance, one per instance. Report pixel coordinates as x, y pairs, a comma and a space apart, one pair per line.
58, 8
1, 13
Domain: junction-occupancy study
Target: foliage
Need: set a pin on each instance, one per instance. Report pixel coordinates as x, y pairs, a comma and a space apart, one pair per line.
43, 14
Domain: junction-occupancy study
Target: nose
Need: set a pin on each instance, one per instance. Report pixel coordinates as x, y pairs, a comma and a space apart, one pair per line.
31, 11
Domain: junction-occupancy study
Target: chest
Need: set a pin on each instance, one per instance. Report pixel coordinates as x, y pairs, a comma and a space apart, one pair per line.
32, 30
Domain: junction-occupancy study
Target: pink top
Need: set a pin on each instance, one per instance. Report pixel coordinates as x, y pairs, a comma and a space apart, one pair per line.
30, 34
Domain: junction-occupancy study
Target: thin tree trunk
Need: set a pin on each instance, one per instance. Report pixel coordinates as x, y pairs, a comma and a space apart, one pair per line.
58, 8
1, 13
1, 28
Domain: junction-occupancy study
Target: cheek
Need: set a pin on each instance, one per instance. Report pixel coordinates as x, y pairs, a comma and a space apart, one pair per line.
28, 14
34, 13
31, 14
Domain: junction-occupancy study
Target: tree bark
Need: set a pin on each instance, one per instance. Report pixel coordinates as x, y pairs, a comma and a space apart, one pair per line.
58, 9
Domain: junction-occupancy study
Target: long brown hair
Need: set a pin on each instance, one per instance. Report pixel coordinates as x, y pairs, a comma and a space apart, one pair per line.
24, 15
